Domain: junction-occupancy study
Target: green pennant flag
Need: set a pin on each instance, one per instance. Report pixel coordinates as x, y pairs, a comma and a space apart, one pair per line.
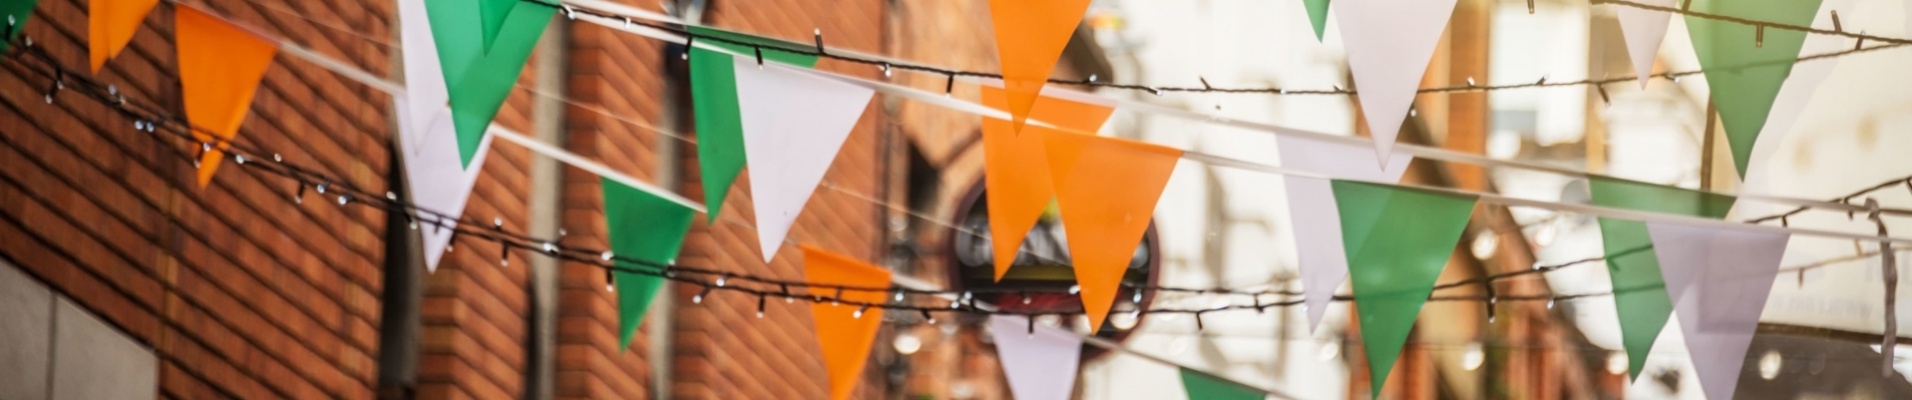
1398, 239
1202, 386
1317, 15
720, 132
478, 77
1744, 67
16, 12
1639, 295
642, 226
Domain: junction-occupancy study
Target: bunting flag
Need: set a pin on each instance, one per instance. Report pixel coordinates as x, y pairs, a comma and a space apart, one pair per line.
641, 226
439, 180
1030, 36
1745, 66
478, 77
1389, 43
845, 332
1719, 279
112, 23
1016, 168
436, 180
1642, 305
219, 68
1041, 365
1317, 16
1397, 239
1202, 386
16, 12
1790, 103
1643, 30
720, 132
1311, 207
1107, 189
794, 122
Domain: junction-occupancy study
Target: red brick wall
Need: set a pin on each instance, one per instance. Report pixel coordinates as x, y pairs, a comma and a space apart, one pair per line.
244, 293
240, 291
622, 75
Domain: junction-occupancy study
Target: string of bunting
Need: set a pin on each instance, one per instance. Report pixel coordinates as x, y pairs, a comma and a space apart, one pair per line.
151, 119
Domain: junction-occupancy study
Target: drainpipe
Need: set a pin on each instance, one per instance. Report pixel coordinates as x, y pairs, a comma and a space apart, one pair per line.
546, 199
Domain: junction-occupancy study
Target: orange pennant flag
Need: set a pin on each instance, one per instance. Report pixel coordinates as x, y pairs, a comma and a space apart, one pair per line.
1017, 170
845, 332
219, 68
1030, 36
1107, 188
112, 23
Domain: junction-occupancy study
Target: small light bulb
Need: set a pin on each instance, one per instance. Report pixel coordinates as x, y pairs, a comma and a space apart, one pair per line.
1075, 289
720, 281
606, 255
610, 287
343, 199
241, 159
697, 299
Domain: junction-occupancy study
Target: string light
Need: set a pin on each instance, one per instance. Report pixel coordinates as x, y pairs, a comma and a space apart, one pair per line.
609, 261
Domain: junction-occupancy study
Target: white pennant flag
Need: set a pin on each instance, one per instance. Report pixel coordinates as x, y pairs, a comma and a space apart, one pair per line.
1389, 43
794, 123
1311, 205
1644, 30
1040, 365
439, 180
1719, 279
1788, 105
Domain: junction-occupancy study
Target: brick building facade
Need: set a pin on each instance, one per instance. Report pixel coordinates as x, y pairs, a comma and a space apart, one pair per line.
238, 290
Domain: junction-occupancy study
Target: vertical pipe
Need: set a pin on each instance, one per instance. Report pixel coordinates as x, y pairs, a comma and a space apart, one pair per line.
544, 204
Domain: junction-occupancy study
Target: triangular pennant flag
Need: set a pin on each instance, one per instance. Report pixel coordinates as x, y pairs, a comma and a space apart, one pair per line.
479, 77
1317, 16
219, 68
642, 226
713, 95
794, 123
1398, 239
440, 181
1719, 279
1030, 36
1643, 31
1107, 189
1311, 207
1744, 65
845, 332
16, 12
1016, 170
112, 23
1642, 305
1791, 102
1202, 386
1389, 43
1040, 364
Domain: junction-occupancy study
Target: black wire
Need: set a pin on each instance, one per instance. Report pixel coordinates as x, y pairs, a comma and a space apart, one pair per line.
158, 121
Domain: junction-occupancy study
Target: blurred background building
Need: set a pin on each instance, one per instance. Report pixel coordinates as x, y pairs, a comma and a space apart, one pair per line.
124, 280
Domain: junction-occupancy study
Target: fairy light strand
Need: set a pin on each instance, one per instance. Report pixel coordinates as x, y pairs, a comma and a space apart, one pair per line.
150, 119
